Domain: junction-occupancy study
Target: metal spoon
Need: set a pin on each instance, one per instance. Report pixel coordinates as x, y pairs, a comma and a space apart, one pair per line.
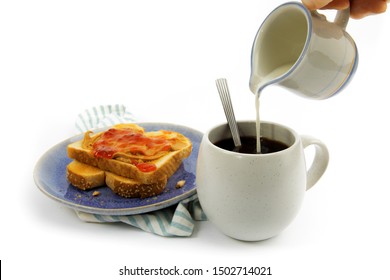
228, 108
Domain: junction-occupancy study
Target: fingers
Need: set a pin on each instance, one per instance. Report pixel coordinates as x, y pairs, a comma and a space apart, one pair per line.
359, 8
315, 4
337, 4
326, 4
363, 8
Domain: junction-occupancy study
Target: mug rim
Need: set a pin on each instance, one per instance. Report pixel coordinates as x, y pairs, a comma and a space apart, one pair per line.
296, 140
309, 21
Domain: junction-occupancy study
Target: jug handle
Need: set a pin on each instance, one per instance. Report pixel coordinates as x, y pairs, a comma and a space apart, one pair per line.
341, 19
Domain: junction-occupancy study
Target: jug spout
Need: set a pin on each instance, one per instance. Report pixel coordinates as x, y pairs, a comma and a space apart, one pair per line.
275, 76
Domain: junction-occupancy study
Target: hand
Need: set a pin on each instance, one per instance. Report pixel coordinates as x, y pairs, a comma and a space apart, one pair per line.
359, 8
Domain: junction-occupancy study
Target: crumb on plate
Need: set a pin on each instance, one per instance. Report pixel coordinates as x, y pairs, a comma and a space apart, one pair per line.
95, 193
180, 184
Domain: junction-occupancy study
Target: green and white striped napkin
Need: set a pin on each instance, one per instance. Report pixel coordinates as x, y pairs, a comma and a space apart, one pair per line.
176, 220
103, 116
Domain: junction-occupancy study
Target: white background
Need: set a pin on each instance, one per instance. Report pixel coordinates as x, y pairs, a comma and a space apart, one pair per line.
160, 59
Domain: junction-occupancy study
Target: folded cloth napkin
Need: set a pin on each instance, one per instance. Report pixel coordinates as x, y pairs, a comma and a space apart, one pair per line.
102, 116
176, 220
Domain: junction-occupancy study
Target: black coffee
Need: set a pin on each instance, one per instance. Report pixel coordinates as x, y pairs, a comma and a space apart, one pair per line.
248, 145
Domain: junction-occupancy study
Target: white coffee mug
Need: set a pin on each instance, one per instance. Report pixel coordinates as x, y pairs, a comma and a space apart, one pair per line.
254, 197
303, 52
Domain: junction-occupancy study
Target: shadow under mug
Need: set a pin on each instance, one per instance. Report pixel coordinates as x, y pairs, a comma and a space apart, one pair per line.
254, 197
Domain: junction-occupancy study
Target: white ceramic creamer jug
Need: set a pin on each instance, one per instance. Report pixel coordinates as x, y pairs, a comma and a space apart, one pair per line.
303, 52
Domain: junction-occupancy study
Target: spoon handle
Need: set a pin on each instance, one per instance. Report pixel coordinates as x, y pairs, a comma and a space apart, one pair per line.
228, 108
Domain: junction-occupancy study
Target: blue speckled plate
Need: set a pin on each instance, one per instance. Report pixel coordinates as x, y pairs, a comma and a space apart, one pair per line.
50, 177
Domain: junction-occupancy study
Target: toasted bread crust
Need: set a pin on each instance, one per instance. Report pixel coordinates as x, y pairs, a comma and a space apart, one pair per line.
85, 177
119, 174
166, 165
131, 188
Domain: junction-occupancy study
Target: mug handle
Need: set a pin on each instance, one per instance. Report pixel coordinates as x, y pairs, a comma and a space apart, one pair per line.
341, 18
320, 161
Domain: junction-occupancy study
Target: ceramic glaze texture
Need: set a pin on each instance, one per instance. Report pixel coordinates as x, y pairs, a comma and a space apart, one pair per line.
317, 58
328, 64
252, 197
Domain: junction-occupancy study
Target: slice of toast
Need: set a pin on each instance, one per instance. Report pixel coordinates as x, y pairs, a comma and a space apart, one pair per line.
131, 164
84, 176
131, 188
87, 177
